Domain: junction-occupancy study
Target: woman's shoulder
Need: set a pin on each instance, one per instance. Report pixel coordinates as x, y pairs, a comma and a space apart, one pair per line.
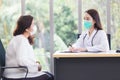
19, 38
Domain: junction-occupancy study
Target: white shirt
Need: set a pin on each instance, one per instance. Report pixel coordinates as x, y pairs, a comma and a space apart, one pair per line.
97, 41
20, 53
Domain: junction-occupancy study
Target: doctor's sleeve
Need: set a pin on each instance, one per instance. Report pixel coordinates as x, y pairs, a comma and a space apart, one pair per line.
103, 43
79, 43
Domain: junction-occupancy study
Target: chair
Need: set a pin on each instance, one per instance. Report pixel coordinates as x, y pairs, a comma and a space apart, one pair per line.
2, 64
109, 40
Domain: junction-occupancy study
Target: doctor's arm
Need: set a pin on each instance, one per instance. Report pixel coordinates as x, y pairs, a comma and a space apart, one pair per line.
79, 43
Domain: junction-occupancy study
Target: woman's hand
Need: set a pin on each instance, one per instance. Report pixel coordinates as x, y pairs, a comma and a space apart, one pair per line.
39, 66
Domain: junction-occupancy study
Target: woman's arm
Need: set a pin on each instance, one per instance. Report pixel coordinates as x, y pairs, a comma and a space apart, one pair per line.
24, 58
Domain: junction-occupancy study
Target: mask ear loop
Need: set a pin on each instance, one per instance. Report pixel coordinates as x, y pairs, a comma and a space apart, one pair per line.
27, 30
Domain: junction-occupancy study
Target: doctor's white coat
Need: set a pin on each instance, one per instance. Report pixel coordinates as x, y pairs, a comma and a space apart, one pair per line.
97, 41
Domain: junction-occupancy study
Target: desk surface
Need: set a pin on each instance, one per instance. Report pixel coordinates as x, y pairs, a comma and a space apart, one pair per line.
111, 53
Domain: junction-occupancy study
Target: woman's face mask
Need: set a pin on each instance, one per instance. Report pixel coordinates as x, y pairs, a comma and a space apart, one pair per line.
87, 24
34, 30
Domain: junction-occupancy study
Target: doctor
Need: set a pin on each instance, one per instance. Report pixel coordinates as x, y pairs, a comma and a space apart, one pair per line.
95, 38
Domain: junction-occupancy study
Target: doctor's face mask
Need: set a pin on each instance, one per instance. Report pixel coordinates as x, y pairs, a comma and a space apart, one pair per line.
88, 21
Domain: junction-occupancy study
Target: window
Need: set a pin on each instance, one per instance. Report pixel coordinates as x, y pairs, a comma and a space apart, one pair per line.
65, 23
115, 24
39, 9
9, 12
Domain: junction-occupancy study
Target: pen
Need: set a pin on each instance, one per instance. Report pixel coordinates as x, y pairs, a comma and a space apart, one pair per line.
70, 45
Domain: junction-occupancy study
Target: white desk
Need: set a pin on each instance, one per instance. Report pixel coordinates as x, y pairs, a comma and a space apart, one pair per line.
87, 66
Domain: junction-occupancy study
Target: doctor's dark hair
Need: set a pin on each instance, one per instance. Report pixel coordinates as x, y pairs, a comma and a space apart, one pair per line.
95, 15
23, 23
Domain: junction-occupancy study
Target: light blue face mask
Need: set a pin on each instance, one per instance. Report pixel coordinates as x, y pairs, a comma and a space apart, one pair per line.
87, 24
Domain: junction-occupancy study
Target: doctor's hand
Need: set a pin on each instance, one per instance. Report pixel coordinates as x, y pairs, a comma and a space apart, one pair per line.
72, 49
77, 49
82, 49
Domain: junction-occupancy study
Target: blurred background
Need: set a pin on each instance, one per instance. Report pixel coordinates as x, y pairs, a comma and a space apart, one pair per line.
58, 22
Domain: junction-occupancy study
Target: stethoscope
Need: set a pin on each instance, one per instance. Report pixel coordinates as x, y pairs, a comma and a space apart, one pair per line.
92, 38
